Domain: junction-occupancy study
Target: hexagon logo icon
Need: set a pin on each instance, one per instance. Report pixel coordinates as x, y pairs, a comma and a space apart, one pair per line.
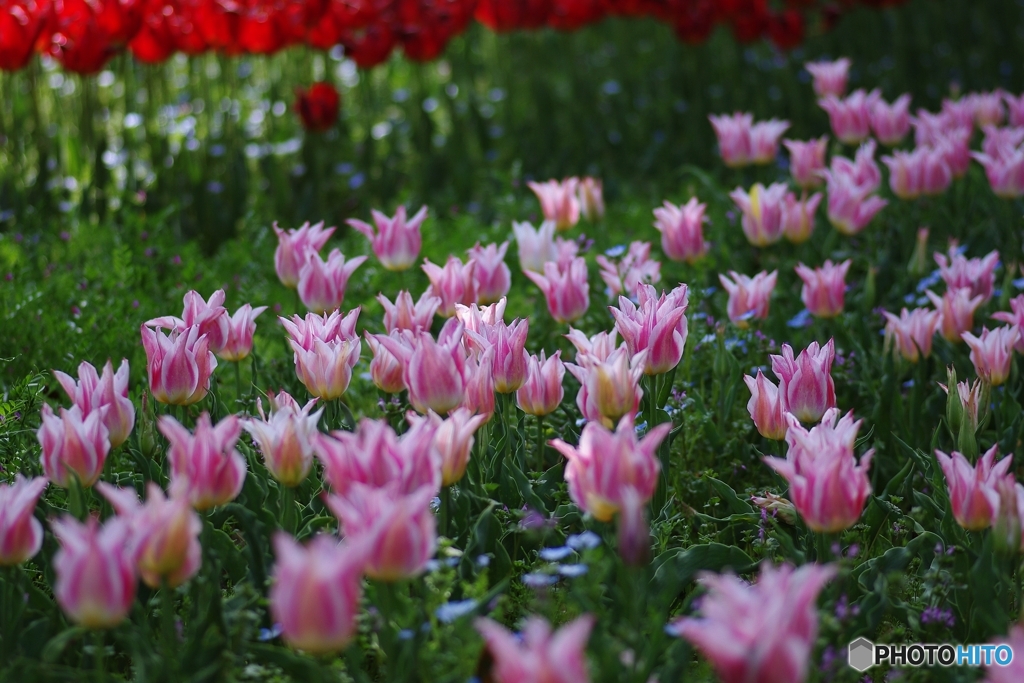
861, 654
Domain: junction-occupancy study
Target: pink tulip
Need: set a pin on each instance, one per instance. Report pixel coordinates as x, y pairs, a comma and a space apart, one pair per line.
862, 171
1014, 108
399, 528
930, 128
760, 633
957, 308
657, 326
163, 541
970, 398
179, 366
635, 269
542, 392
798, 216
566, 289
987, 108
992, 353
599, 347
292, 248
976, 274
829, 77
766, 407
510, 357
397, 241
479, 395
558, 202
891, 122
434, 371
538, 654
106, 394
807, 160
826, 483
762, 212
375, 456
850, 208
493, 277
923, 171
591, 198
455, 283
973, 493
326, 369
749, 297
322, 284
682, 230
960, 112
850, 118
326, 328
404, 315
805, 382
610, 388
733, 133
911, 333
1014, 671
454, 441
536, 247
606, 464
955, 149
1014, 317
999, 142
286, 438
316, 593
205, 462
479, 320
241, 327
95, 573
73, 445
21, 534
386, 369
764, 140
209, 316
824, 288
1005, 172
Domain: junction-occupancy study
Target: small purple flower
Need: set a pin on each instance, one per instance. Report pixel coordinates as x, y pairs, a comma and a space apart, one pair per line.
65, 235
176, 260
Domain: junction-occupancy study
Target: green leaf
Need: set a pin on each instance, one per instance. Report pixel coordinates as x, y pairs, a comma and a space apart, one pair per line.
675, 569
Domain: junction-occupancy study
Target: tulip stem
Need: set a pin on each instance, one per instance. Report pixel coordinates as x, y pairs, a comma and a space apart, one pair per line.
540, 443
238, 381
446, 495
77, 504
98, 652
167, 627
288, 516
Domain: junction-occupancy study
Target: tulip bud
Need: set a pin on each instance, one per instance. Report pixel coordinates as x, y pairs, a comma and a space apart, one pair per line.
147, 429
966, 443
1006, 527
919, 260
870, 289
954, 408
776, 505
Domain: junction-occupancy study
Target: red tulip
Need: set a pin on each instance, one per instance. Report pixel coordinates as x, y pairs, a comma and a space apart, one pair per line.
317, 107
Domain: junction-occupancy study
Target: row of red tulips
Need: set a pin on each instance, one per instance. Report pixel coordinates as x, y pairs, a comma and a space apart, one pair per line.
83, 35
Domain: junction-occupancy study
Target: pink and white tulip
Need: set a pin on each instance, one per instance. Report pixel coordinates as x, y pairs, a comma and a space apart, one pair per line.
609, 388
805, 381
749, 298
405, 315
992, 353
923, 171
829, 78
286, 438
558, 202
106, 394
292, 247
322, 284
976, 274
542, 392
766, 407
1014, 317
241, 327
179, 366
798, 216
973, 493
73, 445
538, 654
891, 122
910, 334
565, 288
635, 269
454, 441
957, 307
682, 230
591, 197
824, 288
21, 534
397, 241
453, 284
807, 160
657, 326
733, 134
386, 369
434, 371
210, 317
850, 118
851, 208
762, 212
493, 277
205, 463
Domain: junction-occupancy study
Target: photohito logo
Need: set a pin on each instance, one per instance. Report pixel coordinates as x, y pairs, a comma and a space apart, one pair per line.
863, 654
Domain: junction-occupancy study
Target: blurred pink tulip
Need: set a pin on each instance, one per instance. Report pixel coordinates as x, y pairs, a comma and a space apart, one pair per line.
566, 289
733, 133
807, 160
21, 534
591, 198
241, 327
163, 540
606, 464
923, 171
824, 288
973, 494
434, 371
957, 308
657, 325
386, 369
635, 269
827, 485
1014, 109
829, 78
399, 529
999, 142
73, 445
766, 407
976, 274
558, 201
959, 112
749, 297
179, 366
930, 129
992, 353
1014, 671
316, 592
479, 395
96, 578
891, 122
375, 456
1005, 172
397, 241
536, 246
538, 655
760, 633
911, 333
599, 347
798, 216
510, 357
862, 171
205, 463
209, 316
609, 388
764, 140
682, 230
987, 108
1014, 317
762, 212
542, 392
286, 438
850, 118
479, 321
106, 394
326, 369
322, 284
405, 315
454, 441
805, 381
850, 208
493, 277
455, 283
292, 246
326, 328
